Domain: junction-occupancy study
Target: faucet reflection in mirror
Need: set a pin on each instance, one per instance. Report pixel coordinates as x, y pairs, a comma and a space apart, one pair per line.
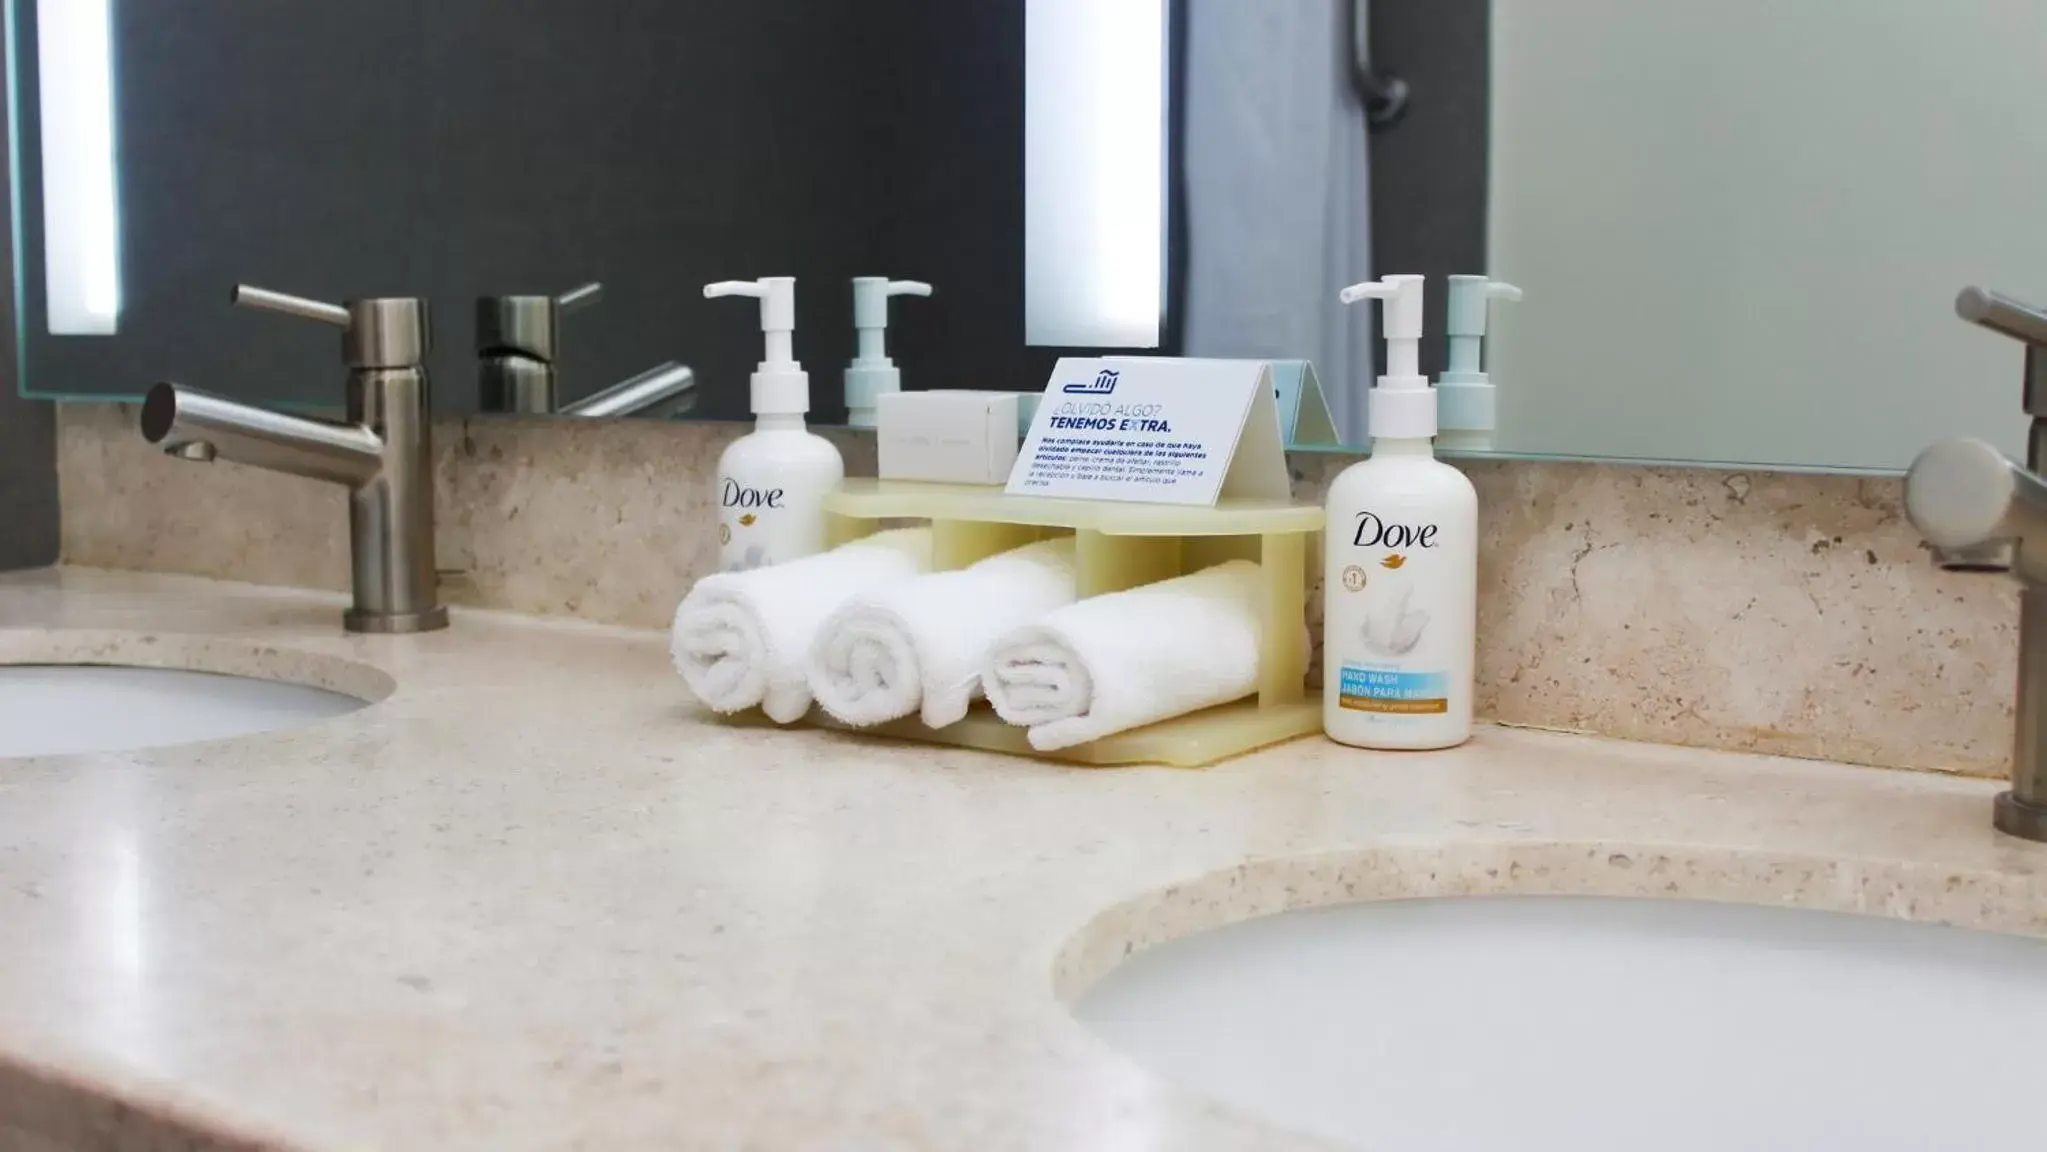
382, 453
1981, 512
517, 341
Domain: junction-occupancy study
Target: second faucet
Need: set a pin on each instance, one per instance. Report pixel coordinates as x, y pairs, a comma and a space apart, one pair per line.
517, 341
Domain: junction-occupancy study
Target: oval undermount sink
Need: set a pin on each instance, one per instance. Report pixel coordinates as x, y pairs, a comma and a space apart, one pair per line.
1584, 1023
50, 709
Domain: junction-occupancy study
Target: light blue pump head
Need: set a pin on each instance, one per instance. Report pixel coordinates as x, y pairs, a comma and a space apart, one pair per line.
1464, 393
872, 373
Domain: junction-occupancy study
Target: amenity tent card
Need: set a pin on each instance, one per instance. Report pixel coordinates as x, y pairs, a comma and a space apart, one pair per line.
1159, 431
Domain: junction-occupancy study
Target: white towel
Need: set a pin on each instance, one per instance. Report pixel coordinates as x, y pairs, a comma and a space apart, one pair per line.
886, 652
1115, 662
740, 638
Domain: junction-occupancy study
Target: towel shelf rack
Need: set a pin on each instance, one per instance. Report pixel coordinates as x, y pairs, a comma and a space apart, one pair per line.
1119, 546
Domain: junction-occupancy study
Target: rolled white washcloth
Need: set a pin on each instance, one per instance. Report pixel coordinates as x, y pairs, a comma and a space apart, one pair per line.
886, 652
1115, 662
740, 638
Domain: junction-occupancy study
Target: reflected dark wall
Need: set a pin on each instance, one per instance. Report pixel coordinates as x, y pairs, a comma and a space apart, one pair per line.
28, 444
1429, 169
451, 148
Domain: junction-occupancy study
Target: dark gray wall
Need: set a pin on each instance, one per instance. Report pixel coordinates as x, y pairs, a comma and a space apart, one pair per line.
1429, 168
451, 148
28, 482
28, 439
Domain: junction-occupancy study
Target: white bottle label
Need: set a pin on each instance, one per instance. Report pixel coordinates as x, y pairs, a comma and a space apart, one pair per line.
758, 527
1395, 631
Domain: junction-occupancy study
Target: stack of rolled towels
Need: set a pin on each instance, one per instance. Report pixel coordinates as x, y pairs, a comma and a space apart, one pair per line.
870, 634
741, 639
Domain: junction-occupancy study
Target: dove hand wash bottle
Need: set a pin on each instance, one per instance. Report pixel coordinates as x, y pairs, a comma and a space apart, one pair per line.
1400, 583
772, 482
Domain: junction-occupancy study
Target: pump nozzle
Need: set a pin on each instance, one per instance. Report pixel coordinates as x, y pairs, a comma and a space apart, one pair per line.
1403, 326
1465, 323
872, 373
870, 312
780, 386
778, 310
1464, 392
1400, 406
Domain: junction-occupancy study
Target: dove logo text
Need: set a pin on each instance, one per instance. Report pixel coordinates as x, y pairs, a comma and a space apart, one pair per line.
737, 495
1373, 532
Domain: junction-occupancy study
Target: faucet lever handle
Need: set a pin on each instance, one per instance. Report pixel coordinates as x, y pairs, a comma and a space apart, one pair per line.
2002, 314
1964, 496
581, 296
378, 332
2028, 325
249, 296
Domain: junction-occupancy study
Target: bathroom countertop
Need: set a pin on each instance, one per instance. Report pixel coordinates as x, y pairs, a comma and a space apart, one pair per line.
531, 899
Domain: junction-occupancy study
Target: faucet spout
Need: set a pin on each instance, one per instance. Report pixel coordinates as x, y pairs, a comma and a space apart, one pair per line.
196, 425
383, 453
665, 390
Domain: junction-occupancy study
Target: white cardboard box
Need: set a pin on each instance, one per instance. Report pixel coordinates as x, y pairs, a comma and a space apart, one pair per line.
961, 437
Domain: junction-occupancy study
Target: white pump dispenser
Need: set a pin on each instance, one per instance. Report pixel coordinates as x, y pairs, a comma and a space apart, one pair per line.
1400, 406
772, 481
1400, 584
1464, 389
779, 385
872, 373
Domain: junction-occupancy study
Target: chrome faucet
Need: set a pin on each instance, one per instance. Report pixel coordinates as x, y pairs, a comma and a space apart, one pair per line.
1981, 512
383, 454
516, 340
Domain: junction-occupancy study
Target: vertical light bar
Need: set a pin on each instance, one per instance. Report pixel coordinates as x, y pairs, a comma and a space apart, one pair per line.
81, 216
1094, 172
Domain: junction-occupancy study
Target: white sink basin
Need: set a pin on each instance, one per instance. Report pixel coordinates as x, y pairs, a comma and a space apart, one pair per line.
1590, 1024
51, 709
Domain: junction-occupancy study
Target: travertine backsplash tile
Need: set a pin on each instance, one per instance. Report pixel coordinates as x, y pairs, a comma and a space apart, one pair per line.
600, 519
123, 504
1765, 612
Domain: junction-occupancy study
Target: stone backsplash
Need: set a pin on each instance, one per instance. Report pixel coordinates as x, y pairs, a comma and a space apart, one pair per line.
1767, 612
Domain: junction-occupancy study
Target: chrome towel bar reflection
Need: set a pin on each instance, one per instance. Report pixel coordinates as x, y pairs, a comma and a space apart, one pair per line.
1384, 94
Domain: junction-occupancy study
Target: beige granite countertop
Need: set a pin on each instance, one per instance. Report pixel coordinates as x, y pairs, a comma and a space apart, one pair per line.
530, 899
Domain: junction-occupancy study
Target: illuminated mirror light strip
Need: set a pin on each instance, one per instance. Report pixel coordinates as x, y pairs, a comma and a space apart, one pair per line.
1094, 172
81, 212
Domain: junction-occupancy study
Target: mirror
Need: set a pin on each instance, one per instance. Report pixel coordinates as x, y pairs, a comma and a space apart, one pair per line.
457, 149
1742, 225
1739, 225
